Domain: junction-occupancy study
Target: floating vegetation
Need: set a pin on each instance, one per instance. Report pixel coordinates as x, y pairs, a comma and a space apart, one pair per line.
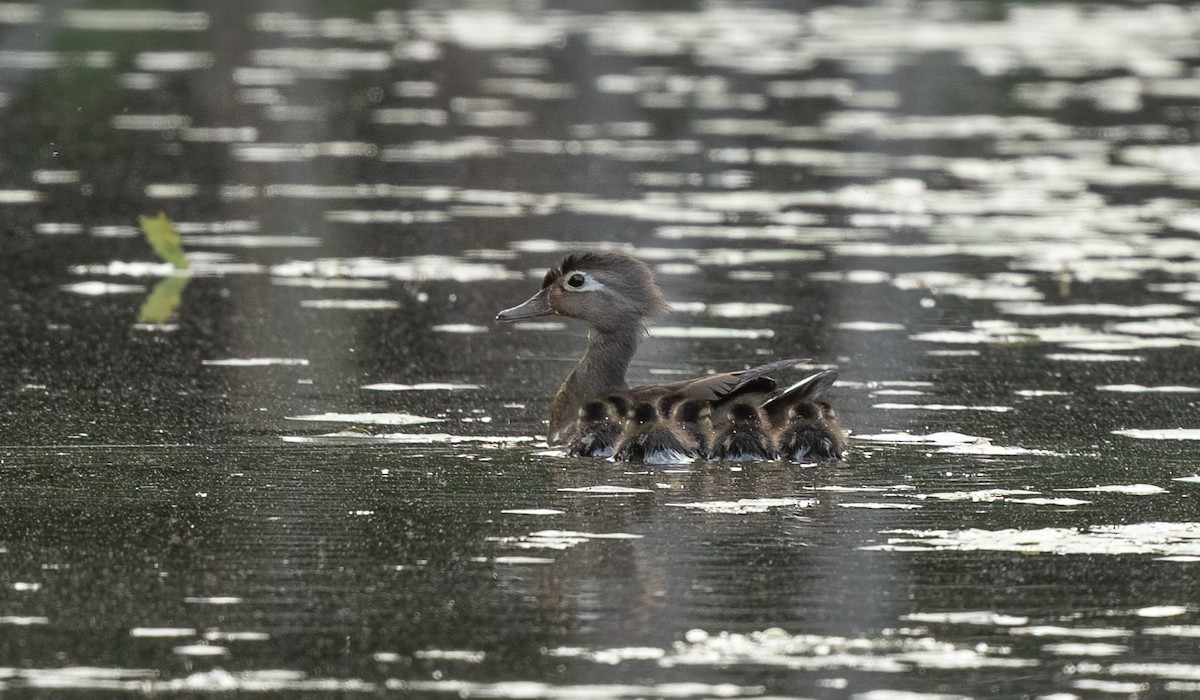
164, 239
163, 300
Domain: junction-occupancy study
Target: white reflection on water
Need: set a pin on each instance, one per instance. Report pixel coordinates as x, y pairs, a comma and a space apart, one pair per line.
1140, 389
426, 267
162, 632
135, 20
422, 386
1162, 539
559, 539
535, 690
889, 654
20, 196
746, 505
1161, 433
256, 362
350, 304
367, 418
102, 288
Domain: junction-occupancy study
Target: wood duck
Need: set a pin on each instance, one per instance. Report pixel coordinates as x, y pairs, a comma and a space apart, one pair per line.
806, 428
811, 433
694, 417
598, 428
651, 437
616, 294
745, 435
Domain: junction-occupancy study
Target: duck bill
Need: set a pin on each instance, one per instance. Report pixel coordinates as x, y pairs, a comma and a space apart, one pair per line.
538, 305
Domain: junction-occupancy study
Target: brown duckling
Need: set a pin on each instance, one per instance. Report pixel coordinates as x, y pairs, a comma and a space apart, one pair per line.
811, 434
745, 436
616, 295
598, 428
651, 438
806, 427
694, 417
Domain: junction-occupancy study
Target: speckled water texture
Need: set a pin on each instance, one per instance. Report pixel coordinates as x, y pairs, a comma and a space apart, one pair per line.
325, 473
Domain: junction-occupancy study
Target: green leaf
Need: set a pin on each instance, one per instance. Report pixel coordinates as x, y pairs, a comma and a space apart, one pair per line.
163, 237
163, 300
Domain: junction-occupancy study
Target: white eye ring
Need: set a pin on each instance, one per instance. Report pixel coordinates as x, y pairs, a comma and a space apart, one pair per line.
580, 282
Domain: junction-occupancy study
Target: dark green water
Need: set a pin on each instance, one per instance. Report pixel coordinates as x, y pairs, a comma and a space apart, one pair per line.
983, 215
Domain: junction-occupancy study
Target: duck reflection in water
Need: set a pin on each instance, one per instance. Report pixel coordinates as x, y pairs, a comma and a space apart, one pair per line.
739, 416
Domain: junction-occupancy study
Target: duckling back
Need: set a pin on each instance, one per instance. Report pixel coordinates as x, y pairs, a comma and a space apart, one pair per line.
598, 427
651, 438
694, 417
666, 424
743, 435
811, 433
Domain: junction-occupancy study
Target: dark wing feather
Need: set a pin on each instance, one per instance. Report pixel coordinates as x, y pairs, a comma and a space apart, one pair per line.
717, 387
809, 388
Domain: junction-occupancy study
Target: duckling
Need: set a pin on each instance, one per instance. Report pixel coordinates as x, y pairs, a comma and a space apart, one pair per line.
812, 433
598, 428
694, 417
745, 436
810, 388
616, 295
651, 439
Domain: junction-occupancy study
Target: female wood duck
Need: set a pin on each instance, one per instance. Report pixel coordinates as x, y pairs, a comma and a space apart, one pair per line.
615, 294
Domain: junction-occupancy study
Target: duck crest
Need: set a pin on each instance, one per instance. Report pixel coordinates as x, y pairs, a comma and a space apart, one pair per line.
736, 416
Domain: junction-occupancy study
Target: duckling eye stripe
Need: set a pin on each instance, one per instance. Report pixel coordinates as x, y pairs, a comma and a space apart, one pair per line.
589, 283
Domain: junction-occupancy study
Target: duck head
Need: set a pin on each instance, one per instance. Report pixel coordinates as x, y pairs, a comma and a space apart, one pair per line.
608, 290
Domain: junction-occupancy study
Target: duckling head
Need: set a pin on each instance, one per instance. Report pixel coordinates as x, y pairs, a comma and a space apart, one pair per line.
804, 410
596, 412
609, 408
692, 411
744, 413
608, 290
643, 413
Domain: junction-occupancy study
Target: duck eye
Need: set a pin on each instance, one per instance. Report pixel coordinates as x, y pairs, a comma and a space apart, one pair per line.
576, 281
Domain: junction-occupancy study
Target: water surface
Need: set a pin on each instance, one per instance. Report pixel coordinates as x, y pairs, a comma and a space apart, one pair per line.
982, 214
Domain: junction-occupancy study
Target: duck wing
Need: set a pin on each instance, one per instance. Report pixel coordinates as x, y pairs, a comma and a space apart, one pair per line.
810, 388
718, 387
